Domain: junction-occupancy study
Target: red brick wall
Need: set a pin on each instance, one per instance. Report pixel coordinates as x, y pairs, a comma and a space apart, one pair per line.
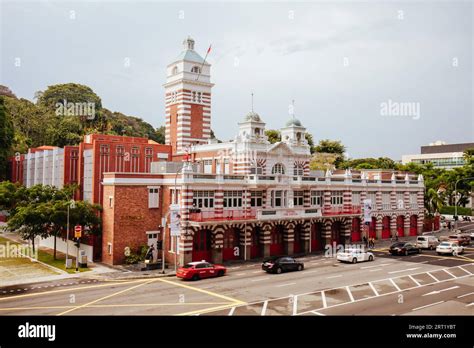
127, 222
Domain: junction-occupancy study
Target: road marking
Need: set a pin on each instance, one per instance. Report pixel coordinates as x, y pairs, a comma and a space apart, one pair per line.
282, 285
63, 290
373, 289
323, 298
375, 270
106, 297
241, 274
257, 271
335, 276
317, 313
465, 270
207, 310
259, 279
231, 312
403, 270
432, 276
452, 275
236, 267
414, 280
438, 291
461, 296
264, 308
394, 284
210, 293
432, 304
350, 294
382, 264
470, 304
310, 272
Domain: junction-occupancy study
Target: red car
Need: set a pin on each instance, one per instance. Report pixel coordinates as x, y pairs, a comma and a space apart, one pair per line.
199, 270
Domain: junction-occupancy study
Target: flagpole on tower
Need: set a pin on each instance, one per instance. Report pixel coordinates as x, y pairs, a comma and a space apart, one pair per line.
202, 65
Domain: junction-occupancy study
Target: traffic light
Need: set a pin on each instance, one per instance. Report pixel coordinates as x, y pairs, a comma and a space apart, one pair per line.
77, 242
159, 245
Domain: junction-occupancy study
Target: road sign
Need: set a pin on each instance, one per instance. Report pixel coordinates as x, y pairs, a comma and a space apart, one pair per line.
367, 210
174, 220
78, 231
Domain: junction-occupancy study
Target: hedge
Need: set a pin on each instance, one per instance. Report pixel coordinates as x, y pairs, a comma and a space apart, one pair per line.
449, 210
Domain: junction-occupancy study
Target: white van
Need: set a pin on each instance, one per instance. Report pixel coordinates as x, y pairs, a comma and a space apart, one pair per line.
427, 242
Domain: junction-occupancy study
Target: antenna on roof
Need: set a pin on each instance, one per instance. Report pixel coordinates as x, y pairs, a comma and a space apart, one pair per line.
293, 108
252, 101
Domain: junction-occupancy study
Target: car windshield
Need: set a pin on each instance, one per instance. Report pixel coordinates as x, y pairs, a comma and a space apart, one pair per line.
188, 266
445, 244
396, 245
421, 238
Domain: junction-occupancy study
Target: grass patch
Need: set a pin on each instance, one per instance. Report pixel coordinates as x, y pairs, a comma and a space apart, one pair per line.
59, 263
47, 258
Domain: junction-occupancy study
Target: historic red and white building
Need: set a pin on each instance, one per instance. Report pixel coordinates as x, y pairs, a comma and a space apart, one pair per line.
244, 198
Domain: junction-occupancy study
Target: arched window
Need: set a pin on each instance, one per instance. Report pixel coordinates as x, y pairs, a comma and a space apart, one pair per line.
196, 69
278, 169
175, 70
298, 169
257, 169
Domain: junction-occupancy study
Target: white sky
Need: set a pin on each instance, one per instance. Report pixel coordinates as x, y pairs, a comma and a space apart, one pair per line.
284, 51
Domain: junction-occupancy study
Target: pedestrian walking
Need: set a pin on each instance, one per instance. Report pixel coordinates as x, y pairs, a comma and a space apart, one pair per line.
365, 241
396, 236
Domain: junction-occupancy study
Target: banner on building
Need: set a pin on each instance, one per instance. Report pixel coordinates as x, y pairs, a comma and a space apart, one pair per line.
367, 210
175, 218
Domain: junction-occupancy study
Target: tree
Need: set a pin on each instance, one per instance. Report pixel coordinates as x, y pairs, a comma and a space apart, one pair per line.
273, 135
433, 202
6, 139
323, 161
330, 146
30, 221
69, 92
309, 139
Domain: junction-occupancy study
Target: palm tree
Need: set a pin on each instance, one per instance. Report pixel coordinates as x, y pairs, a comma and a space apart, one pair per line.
433, 202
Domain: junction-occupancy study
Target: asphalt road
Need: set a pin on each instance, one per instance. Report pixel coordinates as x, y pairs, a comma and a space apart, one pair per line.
325, 287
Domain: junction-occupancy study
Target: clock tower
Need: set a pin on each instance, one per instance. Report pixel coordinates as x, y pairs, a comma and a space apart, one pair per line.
188, 99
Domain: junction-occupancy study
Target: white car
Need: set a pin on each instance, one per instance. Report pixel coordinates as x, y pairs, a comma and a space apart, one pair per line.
452, 248
354, 256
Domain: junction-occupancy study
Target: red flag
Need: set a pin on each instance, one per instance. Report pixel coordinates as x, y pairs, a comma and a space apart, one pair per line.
209, 49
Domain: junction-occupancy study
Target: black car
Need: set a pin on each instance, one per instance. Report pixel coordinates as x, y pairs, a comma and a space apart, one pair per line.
281, 264
404, 248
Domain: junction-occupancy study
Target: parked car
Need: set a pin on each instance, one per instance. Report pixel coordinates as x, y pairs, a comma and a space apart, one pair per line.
472, 234
199, 270
427, 242
281, 264
354, 255
461, 238
404, 248
452, 248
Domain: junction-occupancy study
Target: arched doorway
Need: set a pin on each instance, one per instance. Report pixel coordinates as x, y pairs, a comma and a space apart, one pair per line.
413, 225
386, 227
276, 240
373, 227
256, 248
297, 244
316, 230
231, 248
355, 230
202, 245
336, 233
401, 225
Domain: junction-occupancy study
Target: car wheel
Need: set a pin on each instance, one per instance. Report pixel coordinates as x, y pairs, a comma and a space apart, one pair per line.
371, 258
431, 247
439, 253
419, 251
406, 252
195, 277
278, 270
354, 260
220, 273
300, 267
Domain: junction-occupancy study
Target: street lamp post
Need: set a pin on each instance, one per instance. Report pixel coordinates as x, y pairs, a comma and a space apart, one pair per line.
70, 205
456, 203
